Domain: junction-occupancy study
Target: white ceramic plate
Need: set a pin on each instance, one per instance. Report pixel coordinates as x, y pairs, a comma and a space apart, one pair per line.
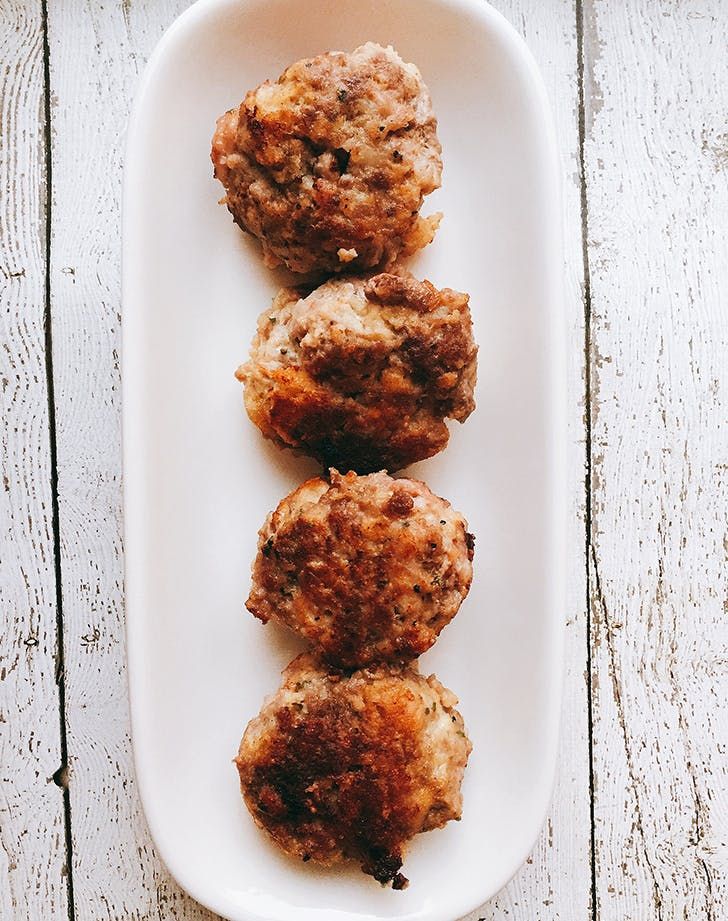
199, 479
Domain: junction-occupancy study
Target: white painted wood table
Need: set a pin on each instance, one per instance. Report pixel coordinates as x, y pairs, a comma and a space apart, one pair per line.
638, 830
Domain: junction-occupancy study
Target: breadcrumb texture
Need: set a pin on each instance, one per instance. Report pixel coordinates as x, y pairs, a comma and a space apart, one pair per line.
329, 165
338, 767
362, 373
366, 568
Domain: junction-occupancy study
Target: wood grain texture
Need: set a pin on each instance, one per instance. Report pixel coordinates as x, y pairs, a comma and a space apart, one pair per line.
555, 882
656, 165
32, 838
657, 182
97, 52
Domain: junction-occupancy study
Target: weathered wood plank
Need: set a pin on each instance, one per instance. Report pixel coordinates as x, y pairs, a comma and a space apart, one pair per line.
97, 52
32, 838
656, 152
556, 881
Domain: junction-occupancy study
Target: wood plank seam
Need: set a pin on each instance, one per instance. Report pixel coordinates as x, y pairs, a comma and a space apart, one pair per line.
581, 119
32, 852
60, 777
599, 601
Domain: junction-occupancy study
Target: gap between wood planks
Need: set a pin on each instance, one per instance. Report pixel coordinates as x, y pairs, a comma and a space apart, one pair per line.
580, 65
60, 777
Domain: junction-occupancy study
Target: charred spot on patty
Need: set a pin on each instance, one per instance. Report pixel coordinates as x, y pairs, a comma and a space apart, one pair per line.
362, 373
340, 767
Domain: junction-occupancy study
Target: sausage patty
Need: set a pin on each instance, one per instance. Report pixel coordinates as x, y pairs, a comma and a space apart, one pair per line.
362, 373
329, 165
366, 568
339, 767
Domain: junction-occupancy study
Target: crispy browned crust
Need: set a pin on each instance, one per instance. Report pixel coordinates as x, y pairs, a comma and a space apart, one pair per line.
344, 430
367, 403
365, 568
329, 166
336, 767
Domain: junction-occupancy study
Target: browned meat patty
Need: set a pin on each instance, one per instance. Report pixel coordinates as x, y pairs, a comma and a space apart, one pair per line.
339, 767
366, 568
329, 165
362, 373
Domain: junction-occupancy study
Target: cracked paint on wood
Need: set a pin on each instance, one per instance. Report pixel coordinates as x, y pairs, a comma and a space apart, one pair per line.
33, 881
657, 192
637, 89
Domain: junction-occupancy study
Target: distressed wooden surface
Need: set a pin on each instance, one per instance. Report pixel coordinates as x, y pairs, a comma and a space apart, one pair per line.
638, 89
32, 840
656, 154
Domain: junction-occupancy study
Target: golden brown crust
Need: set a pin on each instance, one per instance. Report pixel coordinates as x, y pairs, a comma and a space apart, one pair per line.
366, 568
329, 166
365, 371
341, 767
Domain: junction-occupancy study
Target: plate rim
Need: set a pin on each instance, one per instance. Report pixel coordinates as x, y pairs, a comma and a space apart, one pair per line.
132, 536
